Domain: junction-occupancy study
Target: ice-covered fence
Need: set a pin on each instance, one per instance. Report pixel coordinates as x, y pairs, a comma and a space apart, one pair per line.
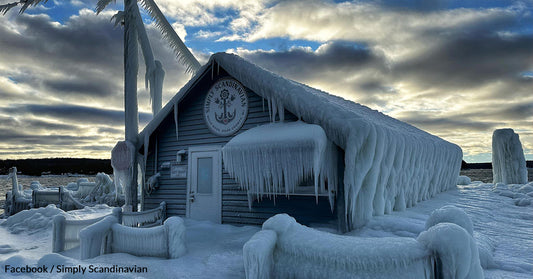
286, 249
58, 196
65, 233
147, 218
107, 236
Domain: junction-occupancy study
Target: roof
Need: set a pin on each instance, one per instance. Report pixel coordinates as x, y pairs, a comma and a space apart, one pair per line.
310, 104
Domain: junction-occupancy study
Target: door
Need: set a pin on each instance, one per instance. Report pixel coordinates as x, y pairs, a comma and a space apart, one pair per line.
204, 197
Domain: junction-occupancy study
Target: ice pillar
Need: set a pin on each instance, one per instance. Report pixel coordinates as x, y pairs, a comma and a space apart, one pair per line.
508, 161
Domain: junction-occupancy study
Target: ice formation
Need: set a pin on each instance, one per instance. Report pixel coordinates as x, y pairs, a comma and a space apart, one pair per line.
450, 214
280, 156
508, 161
145, 218
456, 250
258, 255
302, 252
103, 191
463, 180
389, 164
522, 195
123, 163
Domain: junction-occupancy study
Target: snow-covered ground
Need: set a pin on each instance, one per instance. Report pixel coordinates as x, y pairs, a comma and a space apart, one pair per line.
215, 251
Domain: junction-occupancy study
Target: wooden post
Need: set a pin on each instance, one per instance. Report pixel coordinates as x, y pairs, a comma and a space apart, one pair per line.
342, 218
58, 236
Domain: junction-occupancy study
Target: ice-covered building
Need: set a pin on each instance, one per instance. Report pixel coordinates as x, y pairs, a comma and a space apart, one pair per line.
239, 144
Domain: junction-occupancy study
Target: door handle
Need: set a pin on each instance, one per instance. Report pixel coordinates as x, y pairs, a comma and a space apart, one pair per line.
191, 197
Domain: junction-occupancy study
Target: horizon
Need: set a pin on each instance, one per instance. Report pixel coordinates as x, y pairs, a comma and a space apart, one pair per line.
456, 69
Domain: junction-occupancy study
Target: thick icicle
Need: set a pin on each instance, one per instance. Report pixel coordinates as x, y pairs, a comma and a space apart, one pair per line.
274, 158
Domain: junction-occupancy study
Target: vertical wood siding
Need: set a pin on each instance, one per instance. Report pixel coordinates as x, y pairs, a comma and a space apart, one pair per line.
193, 131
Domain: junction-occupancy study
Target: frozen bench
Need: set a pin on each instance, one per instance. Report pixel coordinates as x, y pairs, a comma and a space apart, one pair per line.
286, 249
66, 232
107, 236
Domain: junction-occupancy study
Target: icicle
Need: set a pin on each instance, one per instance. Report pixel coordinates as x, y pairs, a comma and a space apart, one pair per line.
212, 70
218, 69
263, 101
176, 119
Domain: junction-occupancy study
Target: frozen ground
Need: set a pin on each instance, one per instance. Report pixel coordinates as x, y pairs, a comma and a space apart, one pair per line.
215, 251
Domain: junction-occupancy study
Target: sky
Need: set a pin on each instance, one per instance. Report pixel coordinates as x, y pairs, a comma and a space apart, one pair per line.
457, 69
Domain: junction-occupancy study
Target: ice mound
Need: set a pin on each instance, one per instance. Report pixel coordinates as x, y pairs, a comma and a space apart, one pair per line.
463, 180
33, 220
522, 195
508, 161
450, 214
456, 250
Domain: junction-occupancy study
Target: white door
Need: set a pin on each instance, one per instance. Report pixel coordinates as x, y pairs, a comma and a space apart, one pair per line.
204, 200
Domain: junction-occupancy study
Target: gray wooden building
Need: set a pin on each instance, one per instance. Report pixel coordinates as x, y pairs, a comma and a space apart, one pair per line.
183, 144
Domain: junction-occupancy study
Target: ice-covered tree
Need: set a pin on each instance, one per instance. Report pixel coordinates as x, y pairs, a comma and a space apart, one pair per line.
134, 32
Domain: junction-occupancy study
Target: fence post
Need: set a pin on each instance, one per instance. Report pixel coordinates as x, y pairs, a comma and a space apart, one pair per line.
58, 234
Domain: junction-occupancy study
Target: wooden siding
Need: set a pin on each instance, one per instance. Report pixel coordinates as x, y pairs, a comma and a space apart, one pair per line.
193, 131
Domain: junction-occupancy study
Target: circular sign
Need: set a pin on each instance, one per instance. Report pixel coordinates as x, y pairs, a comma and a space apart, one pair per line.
225, 107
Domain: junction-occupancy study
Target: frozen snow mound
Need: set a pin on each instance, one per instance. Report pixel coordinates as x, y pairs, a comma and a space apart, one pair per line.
522, 195
450, 214
33, 220
463, 180
454, 215
508, 161
286, 249
456, 251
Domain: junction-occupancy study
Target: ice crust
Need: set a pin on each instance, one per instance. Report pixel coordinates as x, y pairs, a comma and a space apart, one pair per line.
33, 220
508, 161
280, 156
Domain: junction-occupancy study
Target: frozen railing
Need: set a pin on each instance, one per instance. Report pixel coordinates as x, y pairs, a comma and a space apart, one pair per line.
286, 249
107, 236
145, 219
65, 233
58, 196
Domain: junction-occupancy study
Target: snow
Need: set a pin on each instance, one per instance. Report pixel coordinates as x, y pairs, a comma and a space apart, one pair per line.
463, 180
274, 158
508, 162
33, 220
216, 251
522, 195
456, 250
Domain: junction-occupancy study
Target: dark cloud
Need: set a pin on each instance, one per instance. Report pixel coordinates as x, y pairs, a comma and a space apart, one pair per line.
432, 123
14, 136
469, 62
300, 63
76, 114
94, 88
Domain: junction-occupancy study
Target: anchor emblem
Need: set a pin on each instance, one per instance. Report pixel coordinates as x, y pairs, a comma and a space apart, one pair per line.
225, 117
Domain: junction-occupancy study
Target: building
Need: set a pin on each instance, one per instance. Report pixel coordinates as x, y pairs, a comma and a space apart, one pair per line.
239, 144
